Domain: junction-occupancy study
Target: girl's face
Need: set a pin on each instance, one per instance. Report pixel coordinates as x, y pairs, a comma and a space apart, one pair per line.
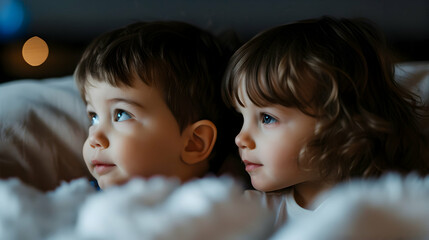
269, 143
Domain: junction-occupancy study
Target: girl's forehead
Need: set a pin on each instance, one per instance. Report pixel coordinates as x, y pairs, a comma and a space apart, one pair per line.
249, 91
241, 95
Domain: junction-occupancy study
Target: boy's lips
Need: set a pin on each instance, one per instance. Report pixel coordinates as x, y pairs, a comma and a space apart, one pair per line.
250, 166
102, 167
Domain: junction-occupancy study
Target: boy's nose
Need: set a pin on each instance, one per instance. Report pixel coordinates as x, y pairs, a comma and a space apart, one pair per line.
244, 140
98, 139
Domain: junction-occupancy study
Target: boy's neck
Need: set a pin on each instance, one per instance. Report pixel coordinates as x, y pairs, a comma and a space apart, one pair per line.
306, 193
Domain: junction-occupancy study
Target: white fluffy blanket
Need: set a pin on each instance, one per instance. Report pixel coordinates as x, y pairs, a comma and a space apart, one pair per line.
155, 209
391, 208
213, 208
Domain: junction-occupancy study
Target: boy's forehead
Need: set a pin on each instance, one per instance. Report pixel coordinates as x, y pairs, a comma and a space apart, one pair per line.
116, 83
95, 88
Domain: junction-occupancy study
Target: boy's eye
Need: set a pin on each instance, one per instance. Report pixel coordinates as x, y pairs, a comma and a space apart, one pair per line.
267, 119
93, 118
121, 115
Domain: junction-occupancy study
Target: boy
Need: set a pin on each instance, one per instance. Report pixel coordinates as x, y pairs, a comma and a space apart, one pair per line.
152, 92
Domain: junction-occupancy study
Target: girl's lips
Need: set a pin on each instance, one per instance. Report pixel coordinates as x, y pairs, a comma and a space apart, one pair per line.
102, 167
250, 166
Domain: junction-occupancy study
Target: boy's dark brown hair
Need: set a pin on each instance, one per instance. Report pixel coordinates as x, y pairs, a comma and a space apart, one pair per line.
339, 71
184, 62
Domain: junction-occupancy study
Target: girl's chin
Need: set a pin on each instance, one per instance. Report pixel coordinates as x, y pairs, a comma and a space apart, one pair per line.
263, 187
105, 182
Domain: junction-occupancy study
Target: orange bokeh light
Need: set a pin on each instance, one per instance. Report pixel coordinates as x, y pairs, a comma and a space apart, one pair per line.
35, 51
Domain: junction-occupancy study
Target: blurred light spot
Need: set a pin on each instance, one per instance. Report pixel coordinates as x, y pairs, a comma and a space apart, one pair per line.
12, 16
35, 51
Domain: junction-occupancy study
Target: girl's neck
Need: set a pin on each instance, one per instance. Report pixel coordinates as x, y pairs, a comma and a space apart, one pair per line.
306, 193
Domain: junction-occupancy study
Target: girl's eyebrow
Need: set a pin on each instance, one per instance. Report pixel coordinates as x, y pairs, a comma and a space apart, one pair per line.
128, 101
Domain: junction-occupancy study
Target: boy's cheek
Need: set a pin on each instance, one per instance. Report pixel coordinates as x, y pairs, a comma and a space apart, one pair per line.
86, 151
88, 154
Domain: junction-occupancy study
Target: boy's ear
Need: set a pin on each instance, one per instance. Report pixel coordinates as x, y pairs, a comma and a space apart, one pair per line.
200, 140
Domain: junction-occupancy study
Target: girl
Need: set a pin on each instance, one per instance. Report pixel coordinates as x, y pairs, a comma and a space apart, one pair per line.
320, 106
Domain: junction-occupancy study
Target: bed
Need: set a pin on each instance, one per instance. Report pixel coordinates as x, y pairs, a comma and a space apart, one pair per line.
45, 192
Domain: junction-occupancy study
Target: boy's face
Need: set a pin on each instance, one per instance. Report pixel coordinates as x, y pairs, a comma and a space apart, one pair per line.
269, 144
132, 133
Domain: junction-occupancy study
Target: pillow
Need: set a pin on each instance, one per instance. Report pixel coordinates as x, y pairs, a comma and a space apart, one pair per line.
43, 126
415, 77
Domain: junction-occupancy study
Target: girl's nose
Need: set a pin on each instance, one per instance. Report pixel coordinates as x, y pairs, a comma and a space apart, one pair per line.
244, 140
97, 139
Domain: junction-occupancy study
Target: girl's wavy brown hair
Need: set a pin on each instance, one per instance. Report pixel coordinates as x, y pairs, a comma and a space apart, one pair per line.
340, 72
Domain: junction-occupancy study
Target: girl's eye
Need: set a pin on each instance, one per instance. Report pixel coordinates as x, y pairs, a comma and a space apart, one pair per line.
267, 119
93, 118
121, 115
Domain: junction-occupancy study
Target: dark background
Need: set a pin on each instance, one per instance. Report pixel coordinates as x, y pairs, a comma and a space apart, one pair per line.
68, 25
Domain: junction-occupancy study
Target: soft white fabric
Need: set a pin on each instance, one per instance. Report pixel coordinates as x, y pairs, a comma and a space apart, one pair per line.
392, 207
282, 204
159, 208
415, 76
43, 125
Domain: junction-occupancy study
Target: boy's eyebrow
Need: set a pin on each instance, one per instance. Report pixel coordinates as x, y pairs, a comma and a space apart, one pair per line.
126, 101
